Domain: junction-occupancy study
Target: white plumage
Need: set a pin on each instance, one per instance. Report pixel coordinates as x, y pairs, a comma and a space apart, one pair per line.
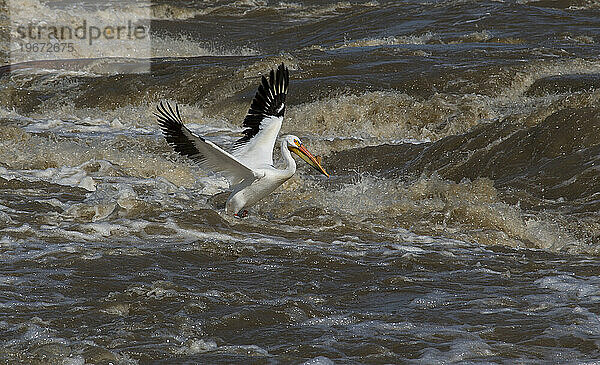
249, 167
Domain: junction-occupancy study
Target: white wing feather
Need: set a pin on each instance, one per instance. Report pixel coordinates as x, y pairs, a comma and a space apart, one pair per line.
263, 120
258, 152
203, 152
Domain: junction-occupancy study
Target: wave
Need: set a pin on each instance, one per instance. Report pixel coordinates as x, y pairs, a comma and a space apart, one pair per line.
542, 178
428, 37
184, 46
498, 184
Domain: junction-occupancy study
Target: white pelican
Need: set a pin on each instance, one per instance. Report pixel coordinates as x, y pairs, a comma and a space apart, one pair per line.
249, 167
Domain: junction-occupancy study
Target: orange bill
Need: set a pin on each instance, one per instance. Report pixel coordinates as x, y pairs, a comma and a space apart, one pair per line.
309, 158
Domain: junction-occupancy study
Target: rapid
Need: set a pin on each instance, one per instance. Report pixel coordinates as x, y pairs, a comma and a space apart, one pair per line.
460, 222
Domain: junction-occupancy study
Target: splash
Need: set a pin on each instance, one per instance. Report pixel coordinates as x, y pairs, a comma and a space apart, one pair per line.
20, 150
469, 211
387, 41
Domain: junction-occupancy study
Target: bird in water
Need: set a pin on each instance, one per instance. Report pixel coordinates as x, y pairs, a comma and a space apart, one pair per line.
249, 166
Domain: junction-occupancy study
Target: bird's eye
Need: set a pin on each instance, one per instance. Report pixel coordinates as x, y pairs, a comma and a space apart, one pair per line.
297, 142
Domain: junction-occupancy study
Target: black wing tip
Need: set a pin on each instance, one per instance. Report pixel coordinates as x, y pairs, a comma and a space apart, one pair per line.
271, 94
283, 76
166, 116
282, 69
175, 132
268, 101
276, 83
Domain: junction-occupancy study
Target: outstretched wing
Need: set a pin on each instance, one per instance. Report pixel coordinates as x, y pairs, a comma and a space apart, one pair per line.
263, 120
203, 152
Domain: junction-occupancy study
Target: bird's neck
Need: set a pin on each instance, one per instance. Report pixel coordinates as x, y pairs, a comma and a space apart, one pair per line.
290, 163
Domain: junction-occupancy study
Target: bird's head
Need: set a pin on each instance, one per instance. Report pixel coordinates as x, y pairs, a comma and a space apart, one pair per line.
295, 145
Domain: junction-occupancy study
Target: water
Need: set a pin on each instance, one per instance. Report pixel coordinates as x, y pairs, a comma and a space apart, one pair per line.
460, 223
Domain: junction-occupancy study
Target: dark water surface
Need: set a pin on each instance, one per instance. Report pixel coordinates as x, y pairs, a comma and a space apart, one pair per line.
460, 223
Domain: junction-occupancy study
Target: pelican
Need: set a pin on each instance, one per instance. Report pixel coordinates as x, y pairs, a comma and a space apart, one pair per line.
249, 167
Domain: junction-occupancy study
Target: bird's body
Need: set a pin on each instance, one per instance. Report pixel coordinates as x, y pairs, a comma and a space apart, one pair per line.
249, 167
